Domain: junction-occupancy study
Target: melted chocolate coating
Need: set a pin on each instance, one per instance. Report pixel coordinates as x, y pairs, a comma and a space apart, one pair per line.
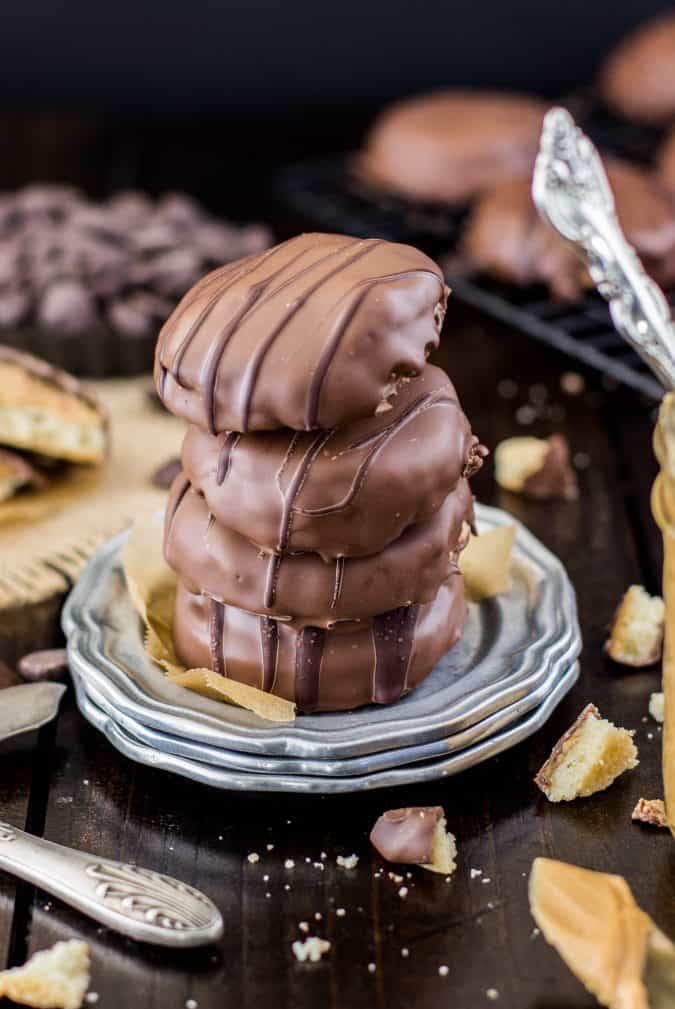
212, 559
406, 835
506, 237
448, 146
312, 334
366, 484
638, 79
321, 670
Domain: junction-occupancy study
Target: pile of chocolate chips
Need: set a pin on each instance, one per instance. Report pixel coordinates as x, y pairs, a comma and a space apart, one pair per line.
72, 265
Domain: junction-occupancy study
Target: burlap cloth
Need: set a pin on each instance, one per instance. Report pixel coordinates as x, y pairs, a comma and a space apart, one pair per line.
47, 537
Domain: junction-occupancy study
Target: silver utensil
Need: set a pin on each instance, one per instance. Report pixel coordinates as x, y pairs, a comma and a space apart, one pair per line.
571, 191
139, 903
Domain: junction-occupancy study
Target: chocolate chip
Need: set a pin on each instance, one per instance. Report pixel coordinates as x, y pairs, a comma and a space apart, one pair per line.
127, 319
179, 210
50, 664
67, 305
14, 306
166, 474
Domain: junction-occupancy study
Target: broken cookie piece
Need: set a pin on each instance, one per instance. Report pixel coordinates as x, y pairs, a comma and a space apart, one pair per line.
652, 811
416, 835
536, 467
587, 759
55, 978
47, 411
16, 474
656, 707
636, 636
311, 949
485, 563
607, 941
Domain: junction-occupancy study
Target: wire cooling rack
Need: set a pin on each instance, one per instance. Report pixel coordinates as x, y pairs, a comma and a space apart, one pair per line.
323, 192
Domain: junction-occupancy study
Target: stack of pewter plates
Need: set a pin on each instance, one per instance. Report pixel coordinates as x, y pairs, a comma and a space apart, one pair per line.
517, 659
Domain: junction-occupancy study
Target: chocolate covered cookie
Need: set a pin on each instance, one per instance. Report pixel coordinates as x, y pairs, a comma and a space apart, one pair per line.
345, 492
638, 79
321, 670
45, 410
506, 237
448, 146
212, 559
315, 333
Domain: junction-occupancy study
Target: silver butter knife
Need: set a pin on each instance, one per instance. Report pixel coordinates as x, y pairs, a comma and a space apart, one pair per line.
140, 903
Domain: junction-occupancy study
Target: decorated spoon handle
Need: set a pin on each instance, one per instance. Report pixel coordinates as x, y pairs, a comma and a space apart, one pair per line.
139, 903
571, 191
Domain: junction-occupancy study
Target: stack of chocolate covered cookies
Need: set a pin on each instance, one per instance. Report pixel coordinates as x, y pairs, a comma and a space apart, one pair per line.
323, 501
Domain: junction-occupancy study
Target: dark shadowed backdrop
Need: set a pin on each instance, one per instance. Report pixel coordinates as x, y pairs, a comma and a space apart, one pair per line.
206, 94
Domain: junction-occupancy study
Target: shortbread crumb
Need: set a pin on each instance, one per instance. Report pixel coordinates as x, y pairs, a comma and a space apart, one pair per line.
536, 467
55, 978
636, 636
311, 949
652, 811
444, 851
656, 707
347, 862
587, 758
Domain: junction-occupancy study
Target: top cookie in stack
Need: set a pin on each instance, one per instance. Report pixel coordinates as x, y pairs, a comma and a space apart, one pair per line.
324, 497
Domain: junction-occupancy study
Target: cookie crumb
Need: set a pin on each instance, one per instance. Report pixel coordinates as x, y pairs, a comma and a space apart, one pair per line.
652, 811
311, 949
347, 862
656, 707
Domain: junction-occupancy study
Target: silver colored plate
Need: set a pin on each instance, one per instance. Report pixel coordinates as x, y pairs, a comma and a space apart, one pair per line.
514, 645
116, 706
237, 780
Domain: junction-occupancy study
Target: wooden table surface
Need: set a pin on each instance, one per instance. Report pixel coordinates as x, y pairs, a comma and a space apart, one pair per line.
68, 784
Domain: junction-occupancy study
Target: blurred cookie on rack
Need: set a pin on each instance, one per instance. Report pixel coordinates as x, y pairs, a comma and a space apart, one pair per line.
507, 239
638, 78
448, 146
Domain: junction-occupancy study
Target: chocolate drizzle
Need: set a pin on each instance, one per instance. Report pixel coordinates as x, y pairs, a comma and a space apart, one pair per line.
289, 498
257, 295
332, 347
339, 576
261, 351
269, 646
170, 515
217, 626
225, 457
376, 443
308, 656
393, 635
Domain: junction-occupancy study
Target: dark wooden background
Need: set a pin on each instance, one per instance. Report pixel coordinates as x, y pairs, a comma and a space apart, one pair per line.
67, 783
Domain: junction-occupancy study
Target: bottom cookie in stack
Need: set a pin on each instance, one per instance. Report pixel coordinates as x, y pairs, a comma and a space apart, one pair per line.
346, 666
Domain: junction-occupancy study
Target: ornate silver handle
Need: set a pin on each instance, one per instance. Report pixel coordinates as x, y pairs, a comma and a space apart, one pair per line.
571, 191
140, 903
